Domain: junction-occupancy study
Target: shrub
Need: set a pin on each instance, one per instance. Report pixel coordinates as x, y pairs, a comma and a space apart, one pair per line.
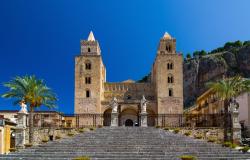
99, 126
71, 134
198, 136
187, 157
227, 144
81, 130
233, 145
13, 150
188, 133
245, 149
212, 139
157, 126
82, 158
28, 145
176, 130
166, 129
92, 128
58, 137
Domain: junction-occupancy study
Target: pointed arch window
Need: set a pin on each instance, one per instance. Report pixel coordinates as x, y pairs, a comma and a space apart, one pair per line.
88, 65
170, 78
87, 80
170, 65
89, 50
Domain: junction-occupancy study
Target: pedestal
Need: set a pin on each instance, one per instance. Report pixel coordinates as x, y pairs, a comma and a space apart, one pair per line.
144, 118
114, 119
21, 130
236, 128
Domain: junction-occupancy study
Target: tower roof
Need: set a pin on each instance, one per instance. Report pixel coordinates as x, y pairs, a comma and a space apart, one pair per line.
166, 36
91, 36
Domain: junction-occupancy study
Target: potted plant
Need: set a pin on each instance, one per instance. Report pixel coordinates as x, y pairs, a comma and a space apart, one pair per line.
58, 137
227, 144
81, 130
198, 136
92, 128
13, 150
45, 139
157, 126
212, 139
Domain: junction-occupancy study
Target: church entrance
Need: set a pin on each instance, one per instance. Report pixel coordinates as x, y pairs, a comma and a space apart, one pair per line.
129, 122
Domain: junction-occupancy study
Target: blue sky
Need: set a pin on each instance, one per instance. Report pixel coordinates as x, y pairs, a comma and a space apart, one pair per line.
42, 37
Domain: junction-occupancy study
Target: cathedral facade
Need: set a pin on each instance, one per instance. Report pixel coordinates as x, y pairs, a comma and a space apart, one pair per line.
164, 91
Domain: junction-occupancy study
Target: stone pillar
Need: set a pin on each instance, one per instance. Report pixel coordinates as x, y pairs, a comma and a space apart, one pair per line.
144, 118
21, 126
114, 119
21, 130
236, 128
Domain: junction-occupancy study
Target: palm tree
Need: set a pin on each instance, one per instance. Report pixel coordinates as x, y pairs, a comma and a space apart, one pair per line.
31, 91
226, 89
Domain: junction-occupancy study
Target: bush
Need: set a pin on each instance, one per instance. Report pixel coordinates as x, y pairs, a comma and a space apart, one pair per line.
99, 126
81, 130
28, 145
233, 145
227, 144
176, 130
198, 136
245, 149
187, 157
58, 137
92, 128
13, 149
188, 133
157, 126
82, 158
71, 134
166, 129
212, 139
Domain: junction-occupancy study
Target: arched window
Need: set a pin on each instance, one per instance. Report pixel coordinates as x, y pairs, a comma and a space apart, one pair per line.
89, 50
170, 65
170, 92
170, 79
88, 65
87, 93
87, 80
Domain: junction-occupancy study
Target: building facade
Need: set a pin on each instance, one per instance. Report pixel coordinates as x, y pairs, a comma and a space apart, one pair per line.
93, 94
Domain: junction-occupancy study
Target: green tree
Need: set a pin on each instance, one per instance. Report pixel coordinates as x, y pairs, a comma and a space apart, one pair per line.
31, 91
202, 53
188, 56
196, 53
226, 89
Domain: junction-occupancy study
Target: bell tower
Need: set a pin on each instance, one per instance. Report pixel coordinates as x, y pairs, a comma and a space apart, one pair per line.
90, 75
168, 77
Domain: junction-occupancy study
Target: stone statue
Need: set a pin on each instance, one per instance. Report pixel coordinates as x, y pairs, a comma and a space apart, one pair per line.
23, 107
234, 106
114, 105
144, 104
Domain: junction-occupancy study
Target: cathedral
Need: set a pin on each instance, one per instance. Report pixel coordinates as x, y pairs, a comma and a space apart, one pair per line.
94, 95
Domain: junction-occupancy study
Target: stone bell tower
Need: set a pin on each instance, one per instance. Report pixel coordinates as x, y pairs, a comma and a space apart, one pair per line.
90, 75
167, 76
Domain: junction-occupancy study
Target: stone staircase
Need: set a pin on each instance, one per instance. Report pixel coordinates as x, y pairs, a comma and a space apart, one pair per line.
127, 143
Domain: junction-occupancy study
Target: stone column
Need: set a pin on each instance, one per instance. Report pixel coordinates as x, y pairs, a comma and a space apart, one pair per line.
21, 127
144, 118
236, 128
114, 119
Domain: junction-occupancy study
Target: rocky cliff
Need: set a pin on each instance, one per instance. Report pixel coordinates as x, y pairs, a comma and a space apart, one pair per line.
200, 70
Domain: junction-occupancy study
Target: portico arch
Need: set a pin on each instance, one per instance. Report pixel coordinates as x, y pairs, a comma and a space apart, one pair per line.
128, 115
107, 117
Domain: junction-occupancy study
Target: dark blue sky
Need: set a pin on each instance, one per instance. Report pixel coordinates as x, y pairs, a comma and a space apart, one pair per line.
42, 37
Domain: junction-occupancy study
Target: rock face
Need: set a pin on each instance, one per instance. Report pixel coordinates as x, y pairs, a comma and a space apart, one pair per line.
198, 71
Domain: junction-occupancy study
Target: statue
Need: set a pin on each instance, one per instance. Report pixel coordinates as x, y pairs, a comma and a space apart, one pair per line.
144, 104
234, 106
23, 107
114, 105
